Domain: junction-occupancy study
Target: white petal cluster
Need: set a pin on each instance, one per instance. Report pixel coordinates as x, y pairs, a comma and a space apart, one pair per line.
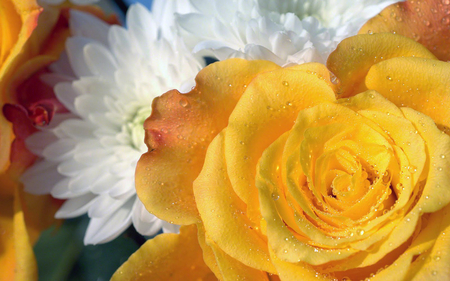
283, 31
107, 79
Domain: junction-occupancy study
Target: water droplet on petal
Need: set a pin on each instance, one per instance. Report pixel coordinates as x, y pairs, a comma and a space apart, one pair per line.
275, 196
183, 102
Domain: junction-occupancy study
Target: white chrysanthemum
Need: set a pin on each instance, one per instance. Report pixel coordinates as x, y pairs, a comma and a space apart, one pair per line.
110, 76
285, 31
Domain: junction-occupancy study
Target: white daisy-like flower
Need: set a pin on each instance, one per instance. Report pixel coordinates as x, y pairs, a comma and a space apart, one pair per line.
285, 31
107, 79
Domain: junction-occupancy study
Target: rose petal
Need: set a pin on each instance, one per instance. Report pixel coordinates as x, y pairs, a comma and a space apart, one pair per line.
231, 230
425, 84
354, 56
167, 257
178, 132
267, 109
426, 21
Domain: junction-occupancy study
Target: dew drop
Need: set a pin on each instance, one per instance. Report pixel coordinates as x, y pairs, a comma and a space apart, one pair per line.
275, 196
412, 169
389, 78
285, 83
183, 102
370, 32
434, 272
360, 231
442, 156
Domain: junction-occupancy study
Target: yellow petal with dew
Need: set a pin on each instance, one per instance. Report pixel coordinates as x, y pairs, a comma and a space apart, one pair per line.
421, 84
168, 256
354, 56
224, 214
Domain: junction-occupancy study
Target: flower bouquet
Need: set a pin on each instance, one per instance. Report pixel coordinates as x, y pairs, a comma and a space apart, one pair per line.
237, 140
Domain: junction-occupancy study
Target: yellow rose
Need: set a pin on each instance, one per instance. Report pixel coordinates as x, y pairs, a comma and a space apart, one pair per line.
297, 174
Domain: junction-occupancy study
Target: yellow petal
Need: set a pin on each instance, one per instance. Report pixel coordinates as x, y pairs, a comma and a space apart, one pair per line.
167, 257
224, 214
420, 84
295, 271
17, 260
26, 266
425, 21
354, 56
232, 269
179, 131
267, 109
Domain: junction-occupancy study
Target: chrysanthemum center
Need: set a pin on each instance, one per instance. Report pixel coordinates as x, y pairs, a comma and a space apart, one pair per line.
135, 127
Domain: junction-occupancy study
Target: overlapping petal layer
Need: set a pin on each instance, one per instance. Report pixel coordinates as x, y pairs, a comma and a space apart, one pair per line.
299, 184
425, 21
167, 257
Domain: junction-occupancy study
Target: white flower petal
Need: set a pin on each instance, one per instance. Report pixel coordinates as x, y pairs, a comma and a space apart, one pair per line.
75, 207
144, 222
105, 229
100, 61
273, 30
170, 228
86, 25
75, 52
41, 177
104, 205
66, 94
59, 150
37, 142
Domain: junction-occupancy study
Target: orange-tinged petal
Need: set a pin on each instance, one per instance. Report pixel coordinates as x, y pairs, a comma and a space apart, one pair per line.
354, 56
179, 131
426, 21
224, 214
167, 257
421, 84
